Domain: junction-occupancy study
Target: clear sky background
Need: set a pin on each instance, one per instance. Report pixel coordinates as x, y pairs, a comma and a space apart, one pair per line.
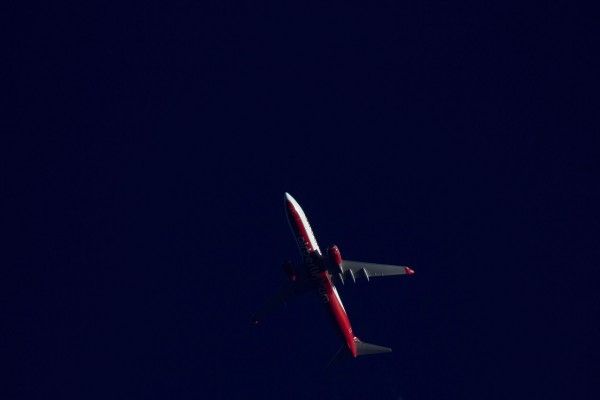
149, 149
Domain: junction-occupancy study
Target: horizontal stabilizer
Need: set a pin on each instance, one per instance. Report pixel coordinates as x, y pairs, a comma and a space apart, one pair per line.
364, 349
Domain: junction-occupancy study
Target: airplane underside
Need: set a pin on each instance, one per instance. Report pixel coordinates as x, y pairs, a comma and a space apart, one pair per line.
319, 273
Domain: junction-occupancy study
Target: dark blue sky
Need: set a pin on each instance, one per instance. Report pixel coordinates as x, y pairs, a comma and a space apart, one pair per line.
150, 146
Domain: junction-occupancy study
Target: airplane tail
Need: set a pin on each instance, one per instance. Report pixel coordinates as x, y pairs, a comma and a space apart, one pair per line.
363, 349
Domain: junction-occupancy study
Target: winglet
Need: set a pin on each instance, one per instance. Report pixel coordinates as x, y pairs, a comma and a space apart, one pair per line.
409, 271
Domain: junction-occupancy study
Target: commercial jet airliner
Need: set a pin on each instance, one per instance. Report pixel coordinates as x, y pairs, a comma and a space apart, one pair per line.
319, 273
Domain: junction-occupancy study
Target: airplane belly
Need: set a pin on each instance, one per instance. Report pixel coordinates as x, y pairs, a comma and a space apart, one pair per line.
333, 305
343, 323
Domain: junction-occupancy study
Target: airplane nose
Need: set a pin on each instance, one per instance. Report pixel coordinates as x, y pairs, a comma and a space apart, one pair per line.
288, 198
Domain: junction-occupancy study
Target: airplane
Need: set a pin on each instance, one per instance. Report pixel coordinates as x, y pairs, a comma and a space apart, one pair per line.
319, 274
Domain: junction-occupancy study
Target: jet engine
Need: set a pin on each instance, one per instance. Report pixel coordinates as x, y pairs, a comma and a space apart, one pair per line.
334, 255
288, 268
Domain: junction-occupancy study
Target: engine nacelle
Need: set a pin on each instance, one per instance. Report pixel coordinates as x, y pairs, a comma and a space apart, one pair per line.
334, 255
288, 268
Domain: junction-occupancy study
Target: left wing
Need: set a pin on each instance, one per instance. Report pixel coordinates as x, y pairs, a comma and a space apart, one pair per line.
286, 292
367, 270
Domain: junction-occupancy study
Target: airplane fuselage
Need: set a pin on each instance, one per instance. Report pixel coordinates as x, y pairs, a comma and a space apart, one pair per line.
316, 268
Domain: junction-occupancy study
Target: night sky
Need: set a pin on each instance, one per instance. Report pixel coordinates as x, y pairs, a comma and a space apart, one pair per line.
149, 147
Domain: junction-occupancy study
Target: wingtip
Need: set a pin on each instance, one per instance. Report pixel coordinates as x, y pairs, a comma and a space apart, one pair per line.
409, 271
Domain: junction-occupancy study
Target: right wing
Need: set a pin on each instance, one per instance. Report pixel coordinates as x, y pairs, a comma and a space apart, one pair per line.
368, 270
286, 292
